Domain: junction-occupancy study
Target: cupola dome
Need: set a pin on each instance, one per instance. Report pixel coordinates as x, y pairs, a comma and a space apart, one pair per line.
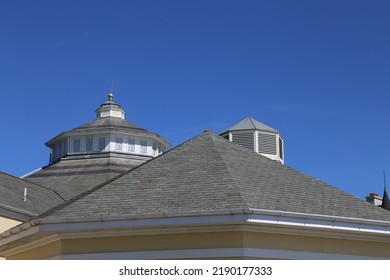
109, 135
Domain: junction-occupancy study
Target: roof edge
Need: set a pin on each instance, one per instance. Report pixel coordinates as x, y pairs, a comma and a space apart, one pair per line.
193, 218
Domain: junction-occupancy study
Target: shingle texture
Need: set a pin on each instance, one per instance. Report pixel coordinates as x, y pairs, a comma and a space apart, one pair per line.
39, 199
108, 122
211, 173
70, 178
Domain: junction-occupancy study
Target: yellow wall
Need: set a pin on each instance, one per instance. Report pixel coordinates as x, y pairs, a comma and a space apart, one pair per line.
317, 244
6, 224
153, 242
43, 252
207, 241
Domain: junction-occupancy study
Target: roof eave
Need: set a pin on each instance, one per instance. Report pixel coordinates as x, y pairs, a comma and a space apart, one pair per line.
105, 130
278, 220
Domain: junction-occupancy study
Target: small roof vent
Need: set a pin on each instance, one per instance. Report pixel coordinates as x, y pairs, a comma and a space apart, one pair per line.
257, 137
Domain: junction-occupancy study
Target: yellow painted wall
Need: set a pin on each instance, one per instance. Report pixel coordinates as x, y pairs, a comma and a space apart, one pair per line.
154, 242
317, 244
210, 240
40, 253
6, 224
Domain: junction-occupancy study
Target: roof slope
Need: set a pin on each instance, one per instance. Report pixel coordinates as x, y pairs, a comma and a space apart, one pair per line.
105, 125
251, 124
108, 122
210, 173
70, 178
39, 199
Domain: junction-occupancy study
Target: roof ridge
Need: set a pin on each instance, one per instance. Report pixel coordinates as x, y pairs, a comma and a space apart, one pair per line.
214, 136
230, 169
76, 198
251, 120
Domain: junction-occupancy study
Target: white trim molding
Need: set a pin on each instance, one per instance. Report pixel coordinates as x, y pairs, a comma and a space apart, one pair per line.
218, 253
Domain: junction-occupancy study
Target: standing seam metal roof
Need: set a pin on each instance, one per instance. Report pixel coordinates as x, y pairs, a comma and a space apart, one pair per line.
251, 124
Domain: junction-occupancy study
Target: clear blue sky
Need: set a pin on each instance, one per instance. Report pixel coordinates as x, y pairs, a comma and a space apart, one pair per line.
318, 71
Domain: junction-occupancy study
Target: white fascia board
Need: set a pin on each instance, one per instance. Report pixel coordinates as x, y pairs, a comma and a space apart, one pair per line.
279, 221
253, 217
320, 224
143, 223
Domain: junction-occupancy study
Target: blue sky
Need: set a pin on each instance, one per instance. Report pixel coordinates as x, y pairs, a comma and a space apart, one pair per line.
317, 71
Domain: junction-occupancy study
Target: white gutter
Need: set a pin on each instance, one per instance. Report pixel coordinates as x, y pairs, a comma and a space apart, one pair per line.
217, 217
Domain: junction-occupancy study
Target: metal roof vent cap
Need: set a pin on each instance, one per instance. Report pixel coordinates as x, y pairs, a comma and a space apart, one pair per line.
257, 137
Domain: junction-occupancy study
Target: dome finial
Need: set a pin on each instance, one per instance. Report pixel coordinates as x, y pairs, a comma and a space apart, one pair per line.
111, 95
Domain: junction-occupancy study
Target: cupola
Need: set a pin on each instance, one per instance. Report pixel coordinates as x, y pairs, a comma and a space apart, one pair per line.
110, 109
109, 135
257, 137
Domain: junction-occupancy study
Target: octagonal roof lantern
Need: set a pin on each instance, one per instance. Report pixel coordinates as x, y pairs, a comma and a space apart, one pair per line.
110, 109
257, 137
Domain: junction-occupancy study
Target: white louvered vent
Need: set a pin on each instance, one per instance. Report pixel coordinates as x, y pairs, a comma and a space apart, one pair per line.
244, 139
267, 144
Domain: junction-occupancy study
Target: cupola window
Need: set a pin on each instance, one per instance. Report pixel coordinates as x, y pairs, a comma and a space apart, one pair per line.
119, 141
76, 145
102, 143
144, 145
89, 144
131, 145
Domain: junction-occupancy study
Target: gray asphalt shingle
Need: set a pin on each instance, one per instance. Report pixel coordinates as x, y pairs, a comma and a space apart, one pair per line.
39, 199
70, 178
210, 173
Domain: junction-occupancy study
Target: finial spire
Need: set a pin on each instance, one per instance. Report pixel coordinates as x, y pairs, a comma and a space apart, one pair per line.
385, 199
111, 95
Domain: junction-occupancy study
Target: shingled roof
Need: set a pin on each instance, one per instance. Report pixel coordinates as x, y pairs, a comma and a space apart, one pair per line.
39, 199
109, 122
210, 173
70, 178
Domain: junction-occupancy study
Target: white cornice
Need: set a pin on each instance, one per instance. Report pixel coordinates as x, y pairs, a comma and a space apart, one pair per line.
257, 220
108, 131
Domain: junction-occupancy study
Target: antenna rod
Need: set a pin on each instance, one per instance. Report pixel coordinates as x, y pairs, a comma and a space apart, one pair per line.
384, 178
112, 86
